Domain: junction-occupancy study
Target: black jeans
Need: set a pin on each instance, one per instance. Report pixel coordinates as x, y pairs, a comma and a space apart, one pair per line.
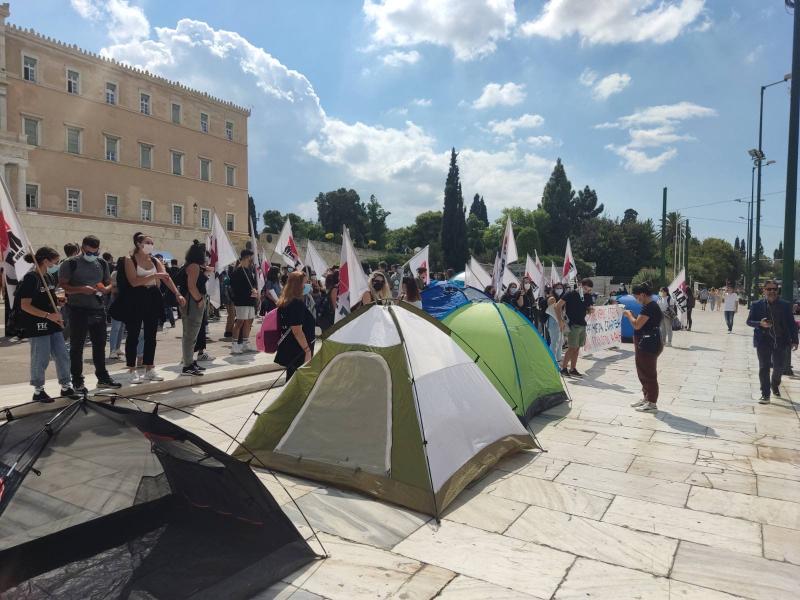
689, 318
771, 355
148, 308
93, 322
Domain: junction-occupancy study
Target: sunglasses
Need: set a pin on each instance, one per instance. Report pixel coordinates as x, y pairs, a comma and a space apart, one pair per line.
770, 289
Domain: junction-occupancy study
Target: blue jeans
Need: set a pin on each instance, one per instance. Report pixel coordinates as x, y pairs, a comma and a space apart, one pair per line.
729, 319
555, 337
117, 333
42, 348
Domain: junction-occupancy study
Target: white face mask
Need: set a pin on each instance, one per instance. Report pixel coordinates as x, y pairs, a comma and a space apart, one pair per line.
148, 248
559, 291
527, 286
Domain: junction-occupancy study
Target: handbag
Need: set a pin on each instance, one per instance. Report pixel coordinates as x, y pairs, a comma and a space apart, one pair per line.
650, 342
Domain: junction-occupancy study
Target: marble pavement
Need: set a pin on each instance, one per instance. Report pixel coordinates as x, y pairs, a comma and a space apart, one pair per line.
700, 501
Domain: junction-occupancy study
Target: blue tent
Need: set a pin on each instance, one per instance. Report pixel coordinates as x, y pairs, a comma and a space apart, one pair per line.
629, 302
442, 297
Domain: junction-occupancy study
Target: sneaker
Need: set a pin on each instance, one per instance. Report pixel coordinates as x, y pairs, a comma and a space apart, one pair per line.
191, 372
236, 348
81, 390
638, 403
647, 407
108, 383
151, 375
197, 367
763, 400
41, 396
775, 391
68, 392
137, 378
565, 372
574, 373
205, 357
246, 347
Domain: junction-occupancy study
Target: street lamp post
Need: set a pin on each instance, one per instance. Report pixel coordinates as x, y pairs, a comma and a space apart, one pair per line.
748, 269
758, 159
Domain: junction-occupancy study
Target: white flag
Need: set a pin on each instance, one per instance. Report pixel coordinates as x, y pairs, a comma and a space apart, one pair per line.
569, 271
540, 271
286, 247
508, 279
352, 279
533, 273
554, 276
14, 245
677, 289
507, 255
420, 259
222, 254
475, 275
258, 262
316, 262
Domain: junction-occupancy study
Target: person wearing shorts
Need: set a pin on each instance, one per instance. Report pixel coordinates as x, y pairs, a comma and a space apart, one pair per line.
577, 304
244, 293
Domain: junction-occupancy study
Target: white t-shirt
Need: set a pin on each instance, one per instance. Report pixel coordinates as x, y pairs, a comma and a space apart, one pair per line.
731, 301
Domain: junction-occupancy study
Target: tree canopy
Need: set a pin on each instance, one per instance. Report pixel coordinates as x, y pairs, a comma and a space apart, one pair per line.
478, 208
343, 207
453, 234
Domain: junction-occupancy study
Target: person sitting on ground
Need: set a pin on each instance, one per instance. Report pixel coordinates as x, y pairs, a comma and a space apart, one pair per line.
244, 294
42, 323
647, 346
577, 305
378, 289
410, 292
296, 346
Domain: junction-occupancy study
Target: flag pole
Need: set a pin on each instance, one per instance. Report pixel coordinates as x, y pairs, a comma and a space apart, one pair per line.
29, 247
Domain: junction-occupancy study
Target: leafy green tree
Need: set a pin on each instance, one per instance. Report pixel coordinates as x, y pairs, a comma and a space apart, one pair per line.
475, 229
376, 217
715, 262
273, 221
424, 231
478, 208
584, 209
527, 242
630, 216
651, 276
520, 218
453, 234
778, 253
343, 207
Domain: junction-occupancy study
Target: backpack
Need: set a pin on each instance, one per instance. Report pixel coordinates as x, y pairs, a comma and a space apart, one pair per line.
269, 336
119, 308
181, 281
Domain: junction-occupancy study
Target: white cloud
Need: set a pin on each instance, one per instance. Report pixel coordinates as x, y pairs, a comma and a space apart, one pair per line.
399, 58
86, 8
637, 161
654, 127
124, 22
471, 28
606, 86
615, 21
509, 126
541, 141
752, 56
610, 85
424, 102
496, 94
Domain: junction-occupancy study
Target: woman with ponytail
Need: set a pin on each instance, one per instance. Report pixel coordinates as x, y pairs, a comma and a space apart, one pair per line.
42, 323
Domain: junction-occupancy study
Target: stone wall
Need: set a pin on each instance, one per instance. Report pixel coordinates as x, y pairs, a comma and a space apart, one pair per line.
329, 251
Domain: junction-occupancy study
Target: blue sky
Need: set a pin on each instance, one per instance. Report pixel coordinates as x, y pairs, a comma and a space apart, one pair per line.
633, 95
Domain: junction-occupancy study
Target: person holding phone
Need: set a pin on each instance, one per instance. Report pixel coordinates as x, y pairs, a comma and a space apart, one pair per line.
244, 293
775, 331
648, 345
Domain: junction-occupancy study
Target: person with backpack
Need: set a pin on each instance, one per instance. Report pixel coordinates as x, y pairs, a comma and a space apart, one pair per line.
42, 323
296, 325
192, 281
326, 311
668, 310
86, 278
145, 305
244, 294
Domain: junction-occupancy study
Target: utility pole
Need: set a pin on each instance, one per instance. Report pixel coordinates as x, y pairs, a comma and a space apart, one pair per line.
791, 163
664, 238
686, 252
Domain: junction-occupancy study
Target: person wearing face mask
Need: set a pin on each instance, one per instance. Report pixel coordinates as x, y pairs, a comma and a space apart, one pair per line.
296, 346
378, 289
647, 345
42, 323
86, 279
512, 296
667, 306
244, 296
145, 305
555, 320
528, 306
577, 304
775, 332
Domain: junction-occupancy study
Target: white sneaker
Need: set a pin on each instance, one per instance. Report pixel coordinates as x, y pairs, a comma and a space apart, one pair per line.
204, 357
647, 407
137, 378
638, 403
246, 347
151, 375
236, 348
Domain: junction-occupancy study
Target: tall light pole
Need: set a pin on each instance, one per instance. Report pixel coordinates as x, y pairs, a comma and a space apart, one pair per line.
748, 269
758, 158
791, 166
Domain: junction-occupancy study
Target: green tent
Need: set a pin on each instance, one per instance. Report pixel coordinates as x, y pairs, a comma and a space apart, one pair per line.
391, 406
511, 353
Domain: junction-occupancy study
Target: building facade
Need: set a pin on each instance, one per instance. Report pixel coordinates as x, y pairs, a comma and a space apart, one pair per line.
88, 145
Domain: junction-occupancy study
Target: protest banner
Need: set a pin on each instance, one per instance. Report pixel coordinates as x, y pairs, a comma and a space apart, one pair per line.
603, 328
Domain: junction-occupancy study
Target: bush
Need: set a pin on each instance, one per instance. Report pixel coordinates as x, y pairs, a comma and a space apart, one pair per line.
650, 276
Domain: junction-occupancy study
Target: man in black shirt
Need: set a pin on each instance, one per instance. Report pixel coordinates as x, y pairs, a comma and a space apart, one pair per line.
577, 305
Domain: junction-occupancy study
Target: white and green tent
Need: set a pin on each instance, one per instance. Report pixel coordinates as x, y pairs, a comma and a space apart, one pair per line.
390, 406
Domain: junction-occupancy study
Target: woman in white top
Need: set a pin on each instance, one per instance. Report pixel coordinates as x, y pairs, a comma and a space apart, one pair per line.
145, 305
667, 307
410, 292
555, 320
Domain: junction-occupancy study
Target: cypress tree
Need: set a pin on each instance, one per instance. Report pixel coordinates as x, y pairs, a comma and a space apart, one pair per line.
478, 208
454, 227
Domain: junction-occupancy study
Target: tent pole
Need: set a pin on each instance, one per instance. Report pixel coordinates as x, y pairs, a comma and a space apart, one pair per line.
419, 412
